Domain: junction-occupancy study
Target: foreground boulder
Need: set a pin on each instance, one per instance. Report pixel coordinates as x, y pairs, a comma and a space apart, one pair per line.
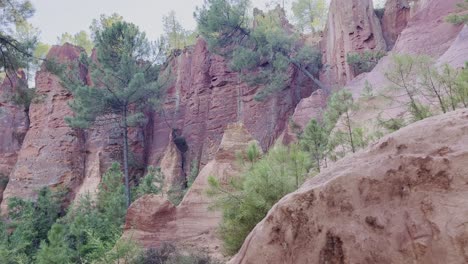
403, 200
152, 220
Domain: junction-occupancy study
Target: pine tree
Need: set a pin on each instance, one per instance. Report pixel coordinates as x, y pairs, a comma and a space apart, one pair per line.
15, 51
262, 53
126, 82
314, 140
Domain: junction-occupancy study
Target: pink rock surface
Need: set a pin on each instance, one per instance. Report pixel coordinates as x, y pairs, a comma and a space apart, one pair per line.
352, 27
206, 96
395, 19
402, 200
152, 220
52, 154
14, 124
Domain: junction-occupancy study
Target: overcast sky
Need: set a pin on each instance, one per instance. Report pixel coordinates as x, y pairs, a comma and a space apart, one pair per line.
54, 17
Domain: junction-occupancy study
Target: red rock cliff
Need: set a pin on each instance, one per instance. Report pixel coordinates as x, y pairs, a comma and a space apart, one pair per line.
52, 153
352, 27
14, 124
205, 97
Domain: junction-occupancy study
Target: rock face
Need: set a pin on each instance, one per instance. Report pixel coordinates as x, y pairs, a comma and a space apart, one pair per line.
352, 27
427, 32
152, 220
204, 98
403, 200
14, 124
52, 153
309, 108
395, 19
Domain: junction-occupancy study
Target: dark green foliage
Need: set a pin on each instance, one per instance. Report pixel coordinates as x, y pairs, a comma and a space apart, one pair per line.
15, 48
223, 23
127, 84
247, 199
262, 54
314, 140
31, 222
152, 183
364, 61
392, 124
91, 228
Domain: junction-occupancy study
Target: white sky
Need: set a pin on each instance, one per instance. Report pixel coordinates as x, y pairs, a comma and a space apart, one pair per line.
54, 17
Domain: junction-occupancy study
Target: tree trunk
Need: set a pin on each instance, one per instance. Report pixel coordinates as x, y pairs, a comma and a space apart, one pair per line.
311, 77
125, 157
350, 131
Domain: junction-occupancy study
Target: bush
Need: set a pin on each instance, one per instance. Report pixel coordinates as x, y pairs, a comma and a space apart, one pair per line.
176, 193
152, 183
31, 221
168, 254
364, 61
248, 198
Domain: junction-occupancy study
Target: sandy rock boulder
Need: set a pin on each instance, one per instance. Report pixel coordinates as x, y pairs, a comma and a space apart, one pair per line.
402, 200
152, 220
52, 154
352, 27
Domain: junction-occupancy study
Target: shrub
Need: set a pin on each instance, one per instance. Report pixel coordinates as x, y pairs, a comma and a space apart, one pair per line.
152, 183
193, 173
365, 61
169, 254
176, 193
247, 199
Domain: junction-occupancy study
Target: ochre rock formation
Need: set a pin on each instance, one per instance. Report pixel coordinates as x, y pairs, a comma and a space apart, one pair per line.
14, 124
395, 19
309, 108
152, 220
206, 96
352, 27
402, 200
52, 154
427, 31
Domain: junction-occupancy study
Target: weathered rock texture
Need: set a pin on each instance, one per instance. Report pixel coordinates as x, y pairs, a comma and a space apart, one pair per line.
205, 97
14, 124
395, 19
352, 27
152, 220
403, 200
427, 31
309, 108
52, 153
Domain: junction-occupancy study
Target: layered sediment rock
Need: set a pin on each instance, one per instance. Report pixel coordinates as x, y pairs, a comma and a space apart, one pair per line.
352, 27
402, 200
14, 123
205, 97
152, 220
52, 153
395, 19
